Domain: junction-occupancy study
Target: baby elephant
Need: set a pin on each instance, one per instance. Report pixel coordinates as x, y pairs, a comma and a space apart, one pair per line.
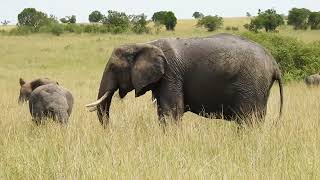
26, 88
313, 80
51, 101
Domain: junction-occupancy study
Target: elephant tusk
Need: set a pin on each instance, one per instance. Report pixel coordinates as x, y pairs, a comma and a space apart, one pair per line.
93, 109
94, 104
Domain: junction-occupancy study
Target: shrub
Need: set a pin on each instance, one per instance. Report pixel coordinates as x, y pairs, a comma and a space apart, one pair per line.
314, 20
295, 58
117, 22
298, 18
228, 28
197, 15
212, 23
269, 20
21, 30
95, 17
157, 27
139, 24
57, 29
167, 18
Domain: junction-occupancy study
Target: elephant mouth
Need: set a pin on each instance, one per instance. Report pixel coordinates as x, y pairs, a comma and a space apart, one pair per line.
123, 93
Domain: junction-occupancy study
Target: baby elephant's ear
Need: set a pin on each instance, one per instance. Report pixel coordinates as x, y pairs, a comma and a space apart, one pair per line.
22, 82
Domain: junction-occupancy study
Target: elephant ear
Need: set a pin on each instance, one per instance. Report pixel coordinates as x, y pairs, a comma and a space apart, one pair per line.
22, 82
148, 68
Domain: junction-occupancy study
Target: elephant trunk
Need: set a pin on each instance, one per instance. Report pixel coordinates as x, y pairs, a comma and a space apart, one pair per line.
107, 88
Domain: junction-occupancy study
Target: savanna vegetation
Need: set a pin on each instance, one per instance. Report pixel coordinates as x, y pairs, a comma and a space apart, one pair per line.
134, 146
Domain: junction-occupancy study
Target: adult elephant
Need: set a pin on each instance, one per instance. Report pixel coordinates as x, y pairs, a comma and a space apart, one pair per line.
225, 75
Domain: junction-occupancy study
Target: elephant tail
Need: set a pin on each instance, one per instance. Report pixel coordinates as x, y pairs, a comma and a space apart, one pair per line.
280, 82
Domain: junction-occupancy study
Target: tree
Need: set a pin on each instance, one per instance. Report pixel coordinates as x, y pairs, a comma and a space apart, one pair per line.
212, 23
298, 18
32, 18
69, 19
95, 17
314, 20
248, 14
117, 21
167, 18
159, 17
269, 20
197, 15
139, 24
72, 19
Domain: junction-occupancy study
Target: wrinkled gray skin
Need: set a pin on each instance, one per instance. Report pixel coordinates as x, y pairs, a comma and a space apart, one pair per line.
313, 80
51, 101
224, 75
26, 88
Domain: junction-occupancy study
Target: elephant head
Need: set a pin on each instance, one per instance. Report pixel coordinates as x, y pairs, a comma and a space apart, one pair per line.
26, 88
131, 67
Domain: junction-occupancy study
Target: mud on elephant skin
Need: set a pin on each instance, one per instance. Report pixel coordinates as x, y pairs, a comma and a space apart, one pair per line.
26, 88
51, 101
222, 74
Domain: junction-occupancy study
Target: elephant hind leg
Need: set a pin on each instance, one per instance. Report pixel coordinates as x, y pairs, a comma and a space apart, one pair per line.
251, 115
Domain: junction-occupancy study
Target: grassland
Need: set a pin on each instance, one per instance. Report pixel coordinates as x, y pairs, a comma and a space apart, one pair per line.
134, 147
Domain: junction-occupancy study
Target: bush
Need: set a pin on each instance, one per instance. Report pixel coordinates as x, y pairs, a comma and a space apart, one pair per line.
314, 20
21, 30
57, 29
295, 58
95, 17
117, 22
269, 20
139, 24
212, 23
167, 18
298, 18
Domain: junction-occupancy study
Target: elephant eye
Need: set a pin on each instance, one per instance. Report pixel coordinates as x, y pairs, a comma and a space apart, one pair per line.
129, 57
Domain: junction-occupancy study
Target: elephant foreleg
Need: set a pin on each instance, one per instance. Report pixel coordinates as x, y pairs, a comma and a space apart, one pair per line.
171, 106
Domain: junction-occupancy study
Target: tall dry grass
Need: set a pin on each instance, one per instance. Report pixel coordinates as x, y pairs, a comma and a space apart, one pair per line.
135, 147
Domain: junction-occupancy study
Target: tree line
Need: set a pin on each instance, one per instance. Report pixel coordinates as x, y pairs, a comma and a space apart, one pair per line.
31, 20
299, 18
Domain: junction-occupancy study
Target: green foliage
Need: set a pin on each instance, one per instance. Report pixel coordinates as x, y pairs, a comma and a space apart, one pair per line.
212, 23
197, 15
269, 20
159, 16
295, 58
167, 18
69, 19
314, 20
32, 18
117, 22
298, 18
21, 30
95, 17
57, 29
139, 24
